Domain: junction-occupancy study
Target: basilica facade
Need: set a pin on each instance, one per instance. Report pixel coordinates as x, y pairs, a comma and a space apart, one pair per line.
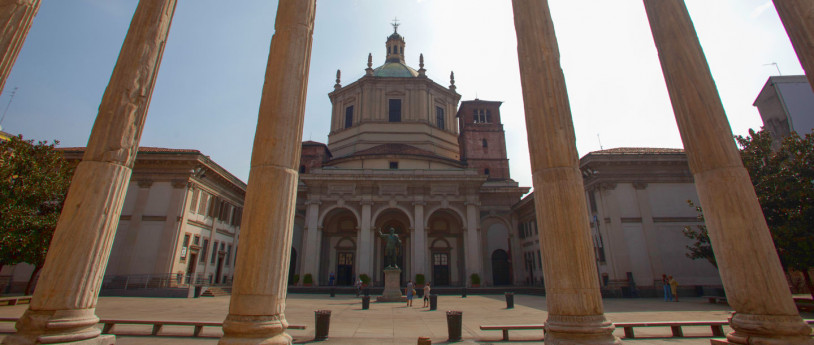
404, 152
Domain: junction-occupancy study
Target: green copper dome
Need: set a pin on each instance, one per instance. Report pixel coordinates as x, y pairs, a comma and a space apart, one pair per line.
395, 69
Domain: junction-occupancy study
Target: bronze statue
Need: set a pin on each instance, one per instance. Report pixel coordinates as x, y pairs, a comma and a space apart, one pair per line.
391, 250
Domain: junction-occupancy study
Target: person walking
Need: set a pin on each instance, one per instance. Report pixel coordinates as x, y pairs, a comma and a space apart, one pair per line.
674, 288
668, 292
410, 291
426, 295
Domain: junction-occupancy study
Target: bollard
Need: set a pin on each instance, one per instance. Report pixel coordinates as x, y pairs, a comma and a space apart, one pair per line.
424, 341
323, 323
509, 300
433, 302
463, 292
366, 303
454, 321
333, 291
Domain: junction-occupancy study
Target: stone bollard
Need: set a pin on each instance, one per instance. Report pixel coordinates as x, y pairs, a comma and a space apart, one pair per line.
433, 302
424, 341
509, 300
454, 325
323, 324
366, 303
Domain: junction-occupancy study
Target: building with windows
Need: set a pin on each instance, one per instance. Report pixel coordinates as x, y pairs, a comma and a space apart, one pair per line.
786, 104
402, 154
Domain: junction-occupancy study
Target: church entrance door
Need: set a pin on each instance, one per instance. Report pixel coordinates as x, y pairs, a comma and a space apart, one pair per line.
344, 268
440, 269
501, 270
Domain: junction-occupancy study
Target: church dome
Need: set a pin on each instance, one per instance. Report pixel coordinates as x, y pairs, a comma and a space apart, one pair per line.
395, 69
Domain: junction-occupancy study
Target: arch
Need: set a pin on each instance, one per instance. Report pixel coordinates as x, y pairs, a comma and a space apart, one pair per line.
440, 240
491, 219
324, 213
409, 215
346, 243
501, 268
455, 211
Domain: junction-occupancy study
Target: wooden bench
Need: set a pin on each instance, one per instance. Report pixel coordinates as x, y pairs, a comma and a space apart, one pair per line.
158, 325
14, 300
675, 327
507, 328
715, 299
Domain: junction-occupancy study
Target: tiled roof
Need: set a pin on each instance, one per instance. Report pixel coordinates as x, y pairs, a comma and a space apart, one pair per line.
140, 149
637, 151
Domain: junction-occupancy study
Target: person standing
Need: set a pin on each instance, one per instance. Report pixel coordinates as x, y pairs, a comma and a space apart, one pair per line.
426, 295
331, 279
358, 286
674, 288
410, 291
668, 292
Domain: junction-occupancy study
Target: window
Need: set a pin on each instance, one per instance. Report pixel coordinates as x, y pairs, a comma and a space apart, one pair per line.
214, 253
196, 240
539, 260
394, 165
228, 254
395, 110
193, 204
481, 116
388, 50
439, 117
488, 116
203, 251
349, 117
202, 203
185, 247
485, 143
486, 171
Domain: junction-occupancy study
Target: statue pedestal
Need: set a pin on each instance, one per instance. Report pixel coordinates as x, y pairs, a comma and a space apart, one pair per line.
392, 287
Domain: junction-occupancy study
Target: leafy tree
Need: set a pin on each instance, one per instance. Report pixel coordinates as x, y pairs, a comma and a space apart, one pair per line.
784, 183
701, 248
34, 180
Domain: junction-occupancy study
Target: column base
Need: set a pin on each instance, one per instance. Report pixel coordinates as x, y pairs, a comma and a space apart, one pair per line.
255, 330
579, 330
768, 330
59, 327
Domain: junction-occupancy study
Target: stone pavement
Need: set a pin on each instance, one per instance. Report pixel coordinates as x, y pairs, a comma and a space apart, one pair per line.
393, 323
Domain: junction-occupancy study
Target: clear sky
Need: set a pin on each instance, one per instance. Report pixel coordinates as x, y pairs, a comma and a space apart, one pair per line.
208, 90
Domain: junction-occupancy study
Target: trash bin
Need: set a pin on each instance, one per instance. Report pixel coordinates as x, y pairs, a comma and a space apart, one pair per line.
323, 323
509, 300
333, 291
366, 303
463, 292
367, 291
454, 320
433, 302
424, 341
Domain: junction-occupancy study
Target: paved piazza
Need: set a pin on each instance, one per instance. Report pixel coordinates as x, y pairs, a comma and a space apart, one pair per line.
392, 323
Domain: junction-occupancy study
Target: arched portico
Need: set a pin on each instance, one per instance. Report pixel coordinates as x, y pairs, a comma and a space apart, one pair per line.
340, 227
401, 221
445, 253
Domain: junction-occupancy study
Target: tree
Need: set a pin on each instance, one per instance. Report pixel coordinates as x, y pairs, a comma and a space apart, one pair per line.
784, 184
701, 248
34, 180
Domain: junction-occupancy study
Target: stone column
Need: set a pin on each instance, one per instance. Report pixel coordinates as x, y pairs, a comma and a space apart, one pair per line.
256, 311
365, 245
15, 20
420, 243
798, 18
474, 263
311, 242
63, 307
575, 311
747, 260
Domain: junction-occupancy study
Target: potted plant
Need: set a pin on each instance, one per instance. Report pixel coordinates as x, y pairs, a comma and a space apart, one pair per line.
475, 278
365, 279
419, 280
295, 279
307, 280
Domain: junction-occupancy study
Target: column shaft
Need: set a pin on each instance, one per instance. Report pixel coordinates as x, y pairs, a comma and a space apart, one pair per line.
365, 253
311, 242
63, 306
15, 19
574, 302
798, 18
256, 311
747, 260
474, 263
420, 245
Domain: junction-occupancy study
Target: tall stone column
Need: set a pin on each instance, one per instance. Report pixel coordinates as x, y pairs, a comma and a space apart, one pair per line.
64, 303
15, 20
474, 262
798, 18
575, 311
747, 261
311, 242
365, 244
256, 311
420, 244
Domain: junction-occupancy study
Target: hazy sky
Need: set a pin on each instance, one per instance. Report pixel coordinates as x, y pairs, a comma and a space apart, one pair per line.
208, 89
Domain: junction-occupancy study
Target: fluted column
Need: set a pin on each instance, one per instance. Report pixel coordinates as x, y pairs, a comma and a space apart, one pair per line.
798, 18
747, 260
575, 311
63, 307
256, 311
15, 20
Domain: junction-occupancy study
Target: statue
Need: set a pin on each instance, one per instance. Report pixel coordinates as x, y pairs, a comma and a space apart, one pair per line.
391, 250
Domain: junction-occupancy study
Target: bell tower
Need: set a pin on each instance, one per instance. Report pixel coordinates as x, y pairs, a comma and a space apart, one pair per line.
482, 139
395, 44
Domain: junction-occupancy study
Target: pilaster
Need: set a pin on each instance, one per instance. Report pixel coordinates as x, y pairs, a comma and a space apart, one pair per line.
365, 255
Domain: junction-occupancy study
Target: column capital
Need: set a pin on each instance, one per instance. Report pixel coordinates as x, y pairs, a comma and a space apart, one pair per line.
367, 202
472, 203
145, 183
639, 185
419, 203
